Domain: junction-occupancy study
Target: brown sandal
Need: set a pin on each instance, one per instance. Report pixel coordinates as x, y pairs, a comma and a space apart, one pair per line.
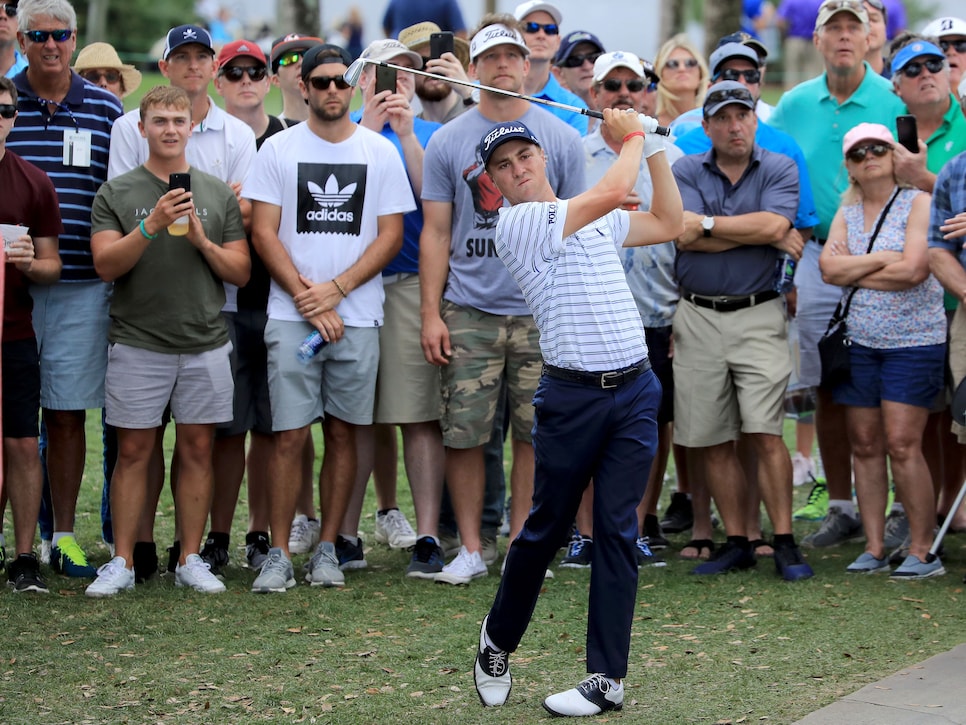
700, 546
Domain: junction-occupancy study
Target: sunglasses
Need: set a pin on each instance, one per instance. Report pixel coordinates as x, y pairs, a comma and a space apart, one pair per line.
914, 69
235, 73
732, 94
548, 28
958, 45
858, 153
833, 7
877, 4
10, 10
634, 85
322, 83
674, 63
8, 110
94, 76
40, 36
750, 75
290, 58
575, 61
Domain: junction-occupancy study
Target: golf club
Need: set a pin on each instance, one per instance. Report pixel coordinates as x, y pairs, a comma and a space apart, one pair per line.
352, 74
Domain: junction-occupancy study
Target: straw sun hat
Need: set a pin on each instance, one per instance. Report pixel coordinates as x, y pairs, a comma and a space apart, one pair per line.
103, 55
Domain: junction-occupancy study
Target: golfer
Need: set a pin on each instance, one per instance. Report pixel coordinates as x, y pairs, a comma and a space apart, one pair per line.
596, 403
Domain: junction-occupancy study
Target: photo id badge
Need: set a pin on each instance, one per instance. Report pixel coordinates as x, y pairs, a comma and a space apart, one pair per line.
77, 148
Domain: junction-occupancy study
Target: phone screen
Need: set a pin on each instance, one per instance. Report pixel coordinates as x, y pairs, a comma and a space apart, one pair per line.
385, 79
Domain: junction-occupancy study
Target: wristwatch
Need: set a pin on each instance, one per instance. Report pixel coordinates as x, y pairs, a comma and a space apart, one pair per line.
707, 224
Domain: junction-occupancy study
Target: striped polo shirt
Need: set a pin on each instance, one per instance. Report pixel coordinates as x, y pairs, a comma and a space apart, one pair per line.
38, 137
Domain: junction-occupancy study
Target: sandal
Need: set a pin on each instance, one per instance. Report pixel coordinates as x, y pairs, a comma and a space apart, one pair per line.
700, 546
757, 544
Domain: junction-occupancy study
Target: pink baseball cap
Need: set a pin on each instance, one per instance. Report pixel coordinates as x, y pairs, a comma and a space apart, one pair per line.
867, 132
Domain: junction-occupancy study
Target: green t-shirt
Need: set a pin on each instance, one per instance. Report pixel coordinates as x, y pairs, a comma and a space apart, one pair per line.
171, 300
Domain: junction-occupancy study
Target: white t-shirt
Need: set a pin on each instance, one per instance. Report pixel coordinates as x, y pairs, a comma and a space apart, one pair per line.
331, 196
575, 286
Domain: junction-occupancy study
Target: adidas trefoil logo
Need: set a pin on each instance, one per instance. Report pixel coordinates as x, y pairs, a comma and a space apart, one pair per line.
330, 199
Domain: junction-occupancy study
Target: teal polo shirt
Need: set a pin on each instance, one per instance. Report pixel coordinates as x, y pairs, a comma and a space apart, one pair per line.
818, 122
948, 140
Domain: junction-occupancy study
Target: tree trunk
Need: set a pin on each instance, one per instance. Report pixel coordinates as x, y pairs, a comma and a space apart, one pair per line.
721, 17
300, 16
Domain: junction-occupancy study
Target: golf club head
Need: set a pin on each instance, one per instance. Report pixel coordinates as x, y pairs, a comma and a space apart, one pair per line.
354, 72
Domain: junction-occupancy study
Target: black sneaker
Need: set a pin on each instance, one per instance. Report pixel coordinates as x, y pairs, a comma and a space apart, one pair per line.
790, 564
3, 556
351, 556
580, 554
427, 559
256, 549
679, 515
646, 557
215, 554
729, 557
145, 561
654, 533
23, 574
174, 554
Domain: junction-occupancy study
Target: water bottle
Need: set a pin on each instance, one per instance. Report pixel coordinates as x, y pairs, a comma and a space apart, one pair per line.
309, 347
785, 274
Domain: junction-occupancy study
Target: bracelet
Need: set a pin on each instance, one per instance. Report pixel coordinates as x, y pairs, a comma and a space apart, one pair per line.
632, 134
339, 287
145, 232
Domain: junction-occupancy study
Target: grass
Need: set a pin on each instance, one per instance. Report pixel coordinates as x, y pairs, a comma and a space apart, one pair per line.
741, 648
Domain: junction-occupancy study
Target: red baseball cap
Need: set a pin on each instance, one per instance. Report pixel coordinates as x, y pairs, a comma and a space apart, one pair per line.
241, 49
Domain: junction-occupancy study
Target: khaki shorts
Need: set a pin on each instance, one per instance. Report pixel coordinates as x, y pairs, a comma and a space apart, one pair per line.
730, 372
407, 389
485, 349
957, 359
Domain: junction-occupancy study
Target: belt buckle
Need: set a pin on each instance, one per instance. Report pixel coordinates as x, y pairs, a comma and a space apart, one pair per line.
604, 380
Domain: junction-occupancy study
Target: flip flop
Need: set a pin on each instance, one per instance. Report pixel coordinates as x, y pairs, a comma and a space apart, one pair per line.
757, 544
699, 545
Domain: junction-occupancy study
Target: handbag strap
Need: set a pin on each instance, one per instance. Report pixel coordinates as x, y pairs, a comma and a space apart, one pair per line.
842, 310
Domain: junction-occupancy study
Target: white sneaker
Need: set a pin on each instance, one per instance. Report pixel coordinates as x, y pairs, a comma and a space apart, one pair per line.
463, 569
393, 528
45, 548
304, 535
112, 578
196, 573
803, 470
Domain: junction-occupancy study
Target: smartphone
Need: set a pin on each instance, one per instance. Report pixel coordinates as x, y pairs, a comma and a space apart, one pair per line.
385, 79
440, 43
908, 133
179, 181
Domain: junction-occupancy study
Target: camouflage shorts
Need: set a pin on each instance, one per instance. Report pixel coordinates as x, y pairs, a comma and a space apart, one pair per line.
485, 349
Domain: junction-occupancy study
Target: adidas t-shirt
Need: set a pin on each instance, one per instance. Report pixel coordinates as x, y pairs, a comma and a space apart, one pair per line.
331, 196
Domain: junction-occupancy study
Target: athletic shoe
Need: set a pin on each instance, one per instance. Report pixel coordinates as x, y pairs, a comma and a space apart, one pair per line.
591, 697
896, 529
868, 564
679, 515
112, 578
463, 569
174, 555
450, 544
729, 557
913, 568
488, 550
816, 508
548, 574
276, 573
323, 569
491, 673
196, 573
580, 553
350, 556
790, 564
393, 528
304, 536
803, 470
215, 556
900, 553
654, 533
68, 558
427, 559
45, 549
256, 549
23, 574
646, 557
837, 528
145, 561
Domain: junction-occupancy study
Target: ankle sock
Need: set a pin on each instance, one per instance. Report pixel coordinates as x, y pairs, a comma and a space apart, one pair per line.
383, 512
253, 537
784, 540
219, 539
354, 540
58, 535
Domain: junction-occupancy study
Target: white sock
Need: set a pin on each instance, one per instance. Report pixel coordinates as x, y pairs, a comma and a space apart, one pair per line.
58, 535
847, 507
614, 684
354, 540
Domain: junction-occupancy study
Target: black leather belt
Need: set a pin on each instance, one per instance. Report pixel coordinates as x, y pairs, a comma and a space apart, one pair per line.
605, 380
726, 304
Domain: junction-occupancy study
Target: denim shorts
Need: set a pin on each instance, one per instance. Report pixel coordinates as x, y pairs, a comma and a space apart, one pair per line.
910, 375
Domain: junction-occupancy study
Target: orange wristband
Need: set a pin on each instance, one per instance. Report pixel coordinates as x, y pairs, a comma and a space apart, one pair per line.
632, 134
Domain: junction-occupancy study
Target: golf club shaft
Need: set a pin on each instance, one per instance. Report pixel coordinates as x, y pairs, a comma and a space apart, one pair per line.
650, 124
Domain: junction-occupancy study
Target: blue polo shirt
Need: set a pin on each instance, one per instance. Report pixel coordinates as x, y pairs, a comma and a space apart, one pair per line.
948, 200
769, 183
697, 141
555, 92
407, 260
19, 63
38, 138
818, 123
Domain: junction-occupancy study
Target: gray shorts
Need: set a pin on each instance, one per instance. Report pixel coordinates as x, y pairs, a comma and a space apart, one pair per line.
816, 304
141, 383
339, 381
70, 322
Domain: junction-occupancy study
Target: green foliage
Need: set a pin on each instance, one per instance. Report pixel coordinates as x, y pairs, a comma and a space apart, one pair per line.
134, 26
